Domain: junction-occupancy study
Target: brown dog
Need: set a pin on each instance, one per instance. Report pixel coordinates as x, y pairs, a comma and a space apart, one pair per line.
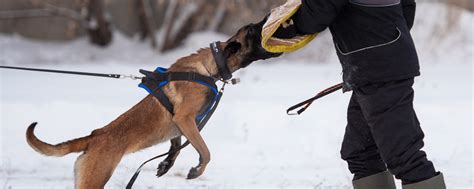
149, 123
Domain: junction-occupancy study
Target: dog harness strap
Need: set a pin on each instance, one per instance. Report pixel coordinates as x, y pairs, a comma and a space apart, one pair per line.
220, 60
153, 82
164, 100
191, 76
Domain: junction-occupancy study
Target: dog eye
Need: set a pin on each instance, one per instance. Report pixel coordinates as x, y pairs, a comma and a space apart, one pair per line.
250, 31
233, 48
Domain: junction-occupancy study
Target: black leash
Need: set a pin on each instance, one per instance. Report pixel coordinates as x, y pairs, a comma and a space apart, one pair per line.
115, 76
204, 121
201, 125
308, 102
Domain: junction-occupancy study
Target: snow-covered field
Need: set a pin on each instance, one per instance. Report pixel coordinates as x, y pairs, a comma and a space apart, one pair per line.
253, 143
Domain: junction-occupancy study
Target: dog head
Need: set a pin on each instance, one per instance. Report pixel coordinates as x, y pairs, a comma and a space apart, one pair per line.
245, 47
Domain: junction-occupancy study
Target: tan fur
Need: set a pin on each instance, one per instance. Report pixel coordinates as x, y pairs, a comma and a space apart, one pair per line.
144, 125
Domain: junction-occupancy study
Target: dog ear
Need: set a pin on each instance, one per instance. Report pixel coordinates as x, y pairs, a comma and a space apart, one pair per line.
232, 48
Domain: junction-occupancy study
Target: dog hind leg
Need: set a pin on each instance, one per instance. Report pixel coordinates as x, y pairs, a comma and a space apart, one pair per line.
94, 168
166, 164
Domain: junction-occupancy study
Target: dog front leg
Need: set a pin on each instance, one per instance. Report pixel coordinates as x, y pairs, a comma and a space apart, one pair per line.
188, 128
166, 164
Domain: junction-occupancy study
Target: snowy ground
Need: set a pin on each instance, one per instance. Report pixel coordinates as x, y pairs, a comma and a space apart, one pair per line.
253, 143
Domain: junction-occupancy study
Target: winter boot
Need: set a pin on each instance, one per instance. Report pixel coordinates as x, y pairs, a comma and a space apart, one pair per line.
436, 182
383, 180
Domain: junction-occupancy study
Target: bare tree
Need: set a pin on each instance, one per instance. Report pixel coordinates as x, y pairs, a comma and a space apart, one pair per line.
99, 28
146, 21
164, 23
91, 19
183, 17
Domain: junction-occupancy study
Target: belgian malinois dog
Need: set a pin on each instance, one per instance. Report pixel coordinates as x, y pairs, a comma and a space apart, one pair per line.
149, 122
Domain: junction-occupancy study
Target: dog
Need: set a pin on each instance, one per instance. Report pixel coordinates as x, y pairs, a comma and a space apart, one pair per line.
149, 122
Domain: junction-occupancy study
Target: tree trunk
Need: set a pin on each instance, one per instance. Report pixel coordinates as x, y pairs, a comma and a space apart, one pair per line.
147, 21
99, 28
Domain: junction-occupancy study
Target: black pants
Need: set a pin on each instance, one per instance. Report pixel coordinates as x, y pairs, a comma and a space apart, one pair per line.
383, 132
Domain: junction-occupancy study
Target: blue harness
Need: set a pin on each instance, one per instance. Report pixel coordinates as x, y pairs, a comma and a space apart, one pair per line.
153, 83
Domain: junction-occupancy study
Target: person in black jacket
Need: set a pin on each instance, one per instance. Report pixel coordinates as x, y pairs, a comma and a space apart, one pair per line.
379, 61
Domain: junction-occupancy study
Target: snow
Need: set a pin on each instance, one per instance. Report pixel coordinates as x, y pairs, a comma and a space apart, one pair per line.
253, 143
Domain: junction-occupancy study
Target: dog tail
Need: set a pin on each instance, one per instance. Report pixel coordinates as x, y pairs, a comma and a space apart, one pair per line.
61, 149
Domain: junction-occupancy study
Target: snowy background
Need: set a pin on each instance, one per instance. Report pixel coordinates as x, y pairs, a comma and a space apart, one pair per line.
253, 143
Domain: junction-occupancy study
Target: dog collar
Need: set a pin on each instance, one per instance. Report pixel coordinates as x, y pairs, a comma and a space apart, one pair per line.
220, 59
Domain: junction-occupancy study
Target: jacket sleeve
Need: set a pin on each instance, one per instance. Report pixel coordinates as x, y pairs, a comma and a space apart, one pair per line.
316, 15
409, 9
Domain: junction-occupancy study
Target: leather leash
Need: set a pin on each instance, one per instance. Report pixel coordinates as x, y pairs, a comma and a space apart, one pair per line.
305, 104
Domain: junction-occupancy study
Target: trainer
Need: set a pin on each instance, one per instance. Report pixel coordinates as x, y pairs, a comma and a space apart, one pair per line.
379, 61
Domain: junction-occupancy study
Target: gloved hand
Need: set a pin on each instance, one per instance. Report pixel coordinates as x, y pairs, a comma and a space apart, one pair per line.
287, 30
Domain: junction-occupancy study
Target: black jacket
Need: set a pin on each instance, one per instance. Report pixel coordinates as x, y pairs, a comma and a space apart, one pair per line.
372, 37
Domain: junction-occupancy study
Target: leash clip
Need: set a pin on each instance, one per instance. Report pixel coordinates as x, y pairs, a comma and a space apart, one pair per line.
132, 77
233, 81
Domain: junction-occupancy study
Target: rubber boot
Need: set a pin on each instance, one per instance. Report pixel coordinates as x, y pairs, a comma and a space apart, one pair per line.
383, 180
436, 182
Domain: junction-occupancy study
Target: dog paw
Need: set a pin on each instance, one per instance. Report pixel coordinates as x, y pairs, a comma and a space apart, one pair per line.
163, 168
193, 173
